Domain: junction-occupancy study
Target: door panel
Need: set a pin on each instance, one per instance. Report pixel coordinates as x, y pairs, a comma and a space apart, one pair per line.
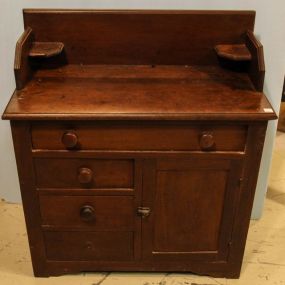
183, 194
192, 207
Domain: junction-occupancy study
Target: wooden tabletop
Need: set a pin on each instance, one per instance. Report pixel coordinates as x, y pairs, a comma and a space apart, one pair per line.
139, 92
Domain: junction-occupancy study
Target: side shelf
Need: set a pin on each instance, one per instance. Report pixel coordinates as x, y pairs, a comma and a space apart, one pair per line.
46, 49
233, 52
249, 56
27, 48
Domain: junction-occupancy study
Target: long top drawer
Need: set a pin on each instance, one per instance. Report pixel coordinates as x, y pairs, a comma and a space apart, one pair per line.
138, 136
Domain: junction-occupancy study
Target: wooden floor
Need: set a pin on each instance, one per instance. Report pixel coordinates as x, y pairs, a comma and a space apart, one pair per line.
264, 261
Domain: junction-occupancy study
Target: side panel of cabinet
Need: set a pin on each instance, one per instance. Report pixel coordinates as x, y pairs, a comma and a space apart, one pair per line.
192, 204
22, 147
253, 154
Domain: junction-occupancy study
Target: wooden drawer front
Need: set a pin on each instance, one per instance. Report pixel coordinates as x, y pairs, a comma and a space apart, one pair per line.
139, 136
89, 245
83, 173
94, 212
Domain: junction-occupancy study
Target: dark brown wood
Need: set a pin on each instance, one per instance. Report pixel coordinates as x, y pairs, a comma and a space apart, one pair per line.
110, 212
257, 66
45, 49
88, 191
199, 267
22, 68
233, 52
137, 148
31, 205
177, 193
139, 92
207, 141
100, 246
281, 119
138, 180
135, 136
139, 37
244, 203
135, 154
69, 139
85, 175
87, 213
63, 173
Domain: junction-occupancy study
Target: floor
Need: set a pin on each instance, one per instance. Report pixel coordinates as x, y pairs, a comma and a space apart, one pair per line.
264, 261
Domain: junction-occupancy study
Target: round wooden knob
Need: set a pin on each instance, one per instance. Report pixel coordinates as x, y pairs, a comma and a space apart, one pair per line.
207, 141
69, 139
87, 213
85, 175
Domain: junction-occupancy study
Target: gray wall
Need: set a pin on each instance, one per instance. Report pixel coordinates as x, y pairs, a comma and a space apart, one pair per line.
270, 23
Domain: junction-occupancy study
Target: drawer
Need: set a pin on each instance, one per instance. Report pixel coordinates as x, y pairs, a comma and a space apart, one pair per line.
93, 212
138, 136
89, 245
74, 173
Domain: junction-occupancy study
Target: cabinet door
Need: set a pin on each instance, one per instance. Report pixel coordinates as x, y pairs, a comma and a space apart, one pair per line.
192, 206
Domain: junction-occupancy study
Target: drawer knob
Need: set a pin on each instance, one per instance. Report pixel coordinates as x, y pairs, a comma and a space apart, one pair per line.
85, 175
207, 141
87, 213
70, 139
143, 211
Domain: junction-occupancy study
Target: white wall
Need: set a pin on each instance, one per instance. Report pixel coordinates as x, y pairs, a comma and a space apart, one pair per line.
270, 23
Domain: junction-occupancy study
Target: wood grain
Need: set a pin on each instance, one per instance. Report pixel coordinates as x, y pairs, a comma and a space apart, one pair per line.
22, 147
233, 52
257, 65
204, 230
111, 213
63, 173
246, 193
100, 246
165, 136
139, 37
45, 49
22, 68
137, 113
139, 92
